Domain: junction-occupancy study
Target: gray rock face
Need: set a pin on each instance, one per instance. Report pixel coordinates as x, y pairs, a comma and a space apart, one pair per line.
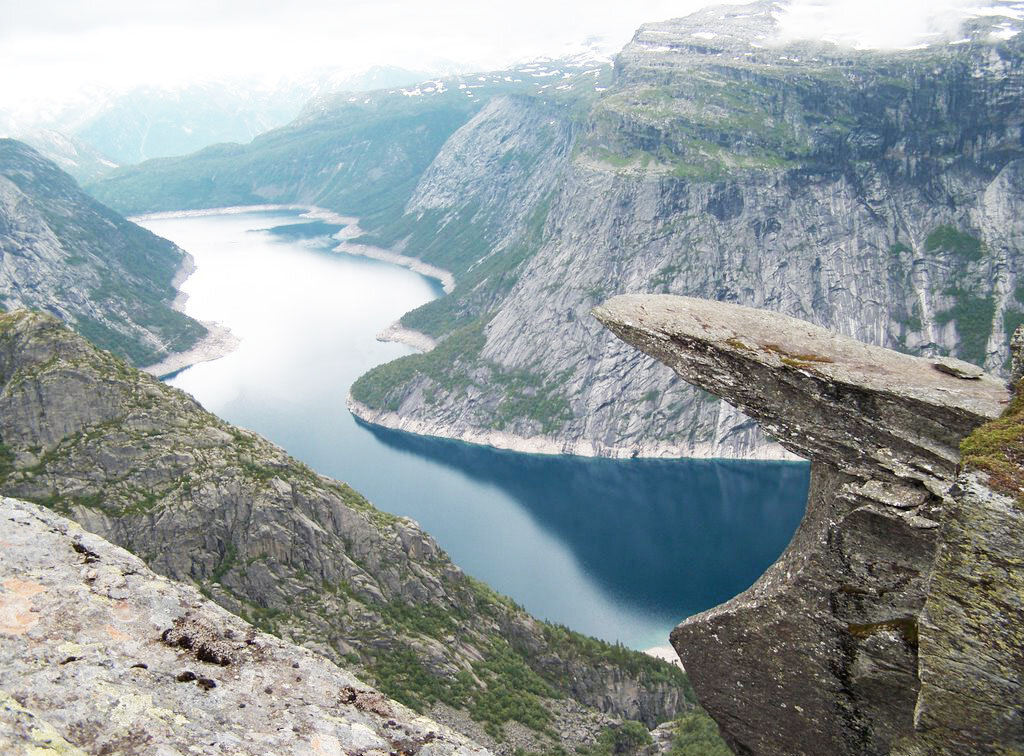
972, 675
101, 655
71, 154
805, 180
827, 653
508, 138
64, 253
298, 554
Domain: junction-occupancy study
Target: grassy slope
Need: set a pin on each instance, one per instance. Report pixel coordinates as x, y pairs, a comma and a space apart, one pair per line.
358, 159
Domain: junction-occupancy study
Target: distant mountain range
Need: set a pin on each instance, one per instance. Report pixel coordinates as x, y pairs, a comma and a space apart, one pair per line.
90, 137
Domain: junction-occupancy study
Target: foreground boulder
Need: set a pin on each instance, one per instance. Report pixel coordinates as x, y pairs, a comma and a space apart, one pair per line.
100, 655
873, 633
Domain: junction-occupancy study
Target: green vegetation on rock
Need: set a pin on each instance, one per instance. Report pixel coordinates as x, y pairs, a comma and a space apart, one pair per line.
952, 240
627, 738
973, 316
598, 652
997, 448
6, 461
708, 127
697, 735
381, 387
454, 368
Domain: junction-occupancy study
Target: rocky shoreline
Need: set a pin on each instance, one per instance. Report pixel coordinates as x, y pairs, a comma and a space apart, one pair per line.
218, 342
399, 334
353, 231
548, 445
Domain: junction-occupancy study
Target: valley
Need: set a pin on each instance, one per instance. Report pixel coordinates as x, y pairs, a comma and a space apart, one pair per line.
874, 192
591, 544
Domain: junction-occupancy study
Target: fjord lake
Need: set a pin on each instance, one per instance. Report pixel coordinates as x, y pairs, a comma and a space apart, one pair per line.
619, 549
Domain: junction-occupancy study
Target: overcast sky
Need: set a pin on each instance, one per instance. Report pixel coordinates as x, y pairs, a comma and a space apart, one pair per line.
50, 49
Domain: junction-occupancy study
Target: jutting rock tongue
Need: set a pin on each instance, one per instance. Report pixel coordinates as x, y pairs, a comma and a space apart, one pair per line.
821, 655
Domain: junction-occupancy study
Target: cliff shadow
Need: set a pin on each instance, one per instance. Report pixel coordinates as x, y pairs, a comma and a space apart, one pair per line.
676, 536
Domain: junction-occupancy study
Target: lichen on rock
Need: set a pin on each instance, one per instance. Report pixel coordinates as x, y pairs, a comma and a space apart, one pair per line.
96, 673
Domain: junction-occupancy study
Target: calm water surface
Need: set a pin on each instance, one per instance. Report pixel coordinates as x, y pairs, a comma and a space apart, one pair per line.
618, 549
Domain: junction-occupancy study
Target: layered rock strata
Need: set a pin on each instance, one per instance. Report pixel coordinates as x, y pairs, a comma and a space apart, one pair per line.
101, 655
831, 651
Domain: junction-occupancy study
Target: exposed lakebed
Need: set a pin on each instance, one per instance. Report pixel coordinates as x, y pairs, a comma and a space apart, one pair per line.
620, 549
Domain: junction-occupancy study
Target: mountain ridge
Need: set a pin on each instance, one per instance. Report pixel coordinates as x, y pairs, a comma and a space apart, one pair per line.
63, 252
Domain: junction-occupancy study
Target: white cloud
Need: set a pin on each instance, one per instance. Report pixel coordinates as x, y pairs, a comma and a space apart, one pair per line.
57, 47
885, 24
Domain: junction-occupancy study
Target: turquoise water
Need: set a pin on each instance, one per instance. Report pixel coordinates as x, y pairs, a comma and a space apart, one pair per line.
620, 549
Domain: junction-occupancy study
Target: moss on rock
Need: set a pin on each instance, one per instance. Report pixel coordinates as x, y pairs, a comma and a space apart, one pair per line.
997, 449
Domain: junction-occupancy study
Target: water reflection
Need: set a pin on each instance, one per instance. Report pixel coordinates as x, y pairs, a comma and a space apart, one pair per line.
670, 537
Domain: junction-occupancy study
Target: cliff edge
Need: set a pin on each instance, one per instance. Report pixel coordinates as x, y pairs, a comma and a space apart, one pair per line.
890, 623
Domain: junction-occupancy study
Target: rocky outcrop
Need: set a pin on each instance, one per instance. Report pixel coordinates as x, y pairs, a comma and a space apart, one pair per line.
64, 253
101, 655
894, 615
971, 672
296, 553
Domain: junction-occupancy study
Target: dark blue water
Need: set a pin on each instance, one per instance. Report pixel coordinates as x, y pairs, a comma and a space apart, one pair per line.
621, 549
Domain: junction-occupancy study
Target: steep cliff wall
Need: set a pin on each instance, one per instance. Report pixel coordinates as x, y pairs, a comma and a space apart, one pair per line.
874, 193
63, 252
891, 624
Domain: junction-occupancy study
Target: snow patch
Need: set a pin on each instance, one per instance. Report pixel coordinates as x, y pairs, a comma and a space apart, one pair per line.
1004, 33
